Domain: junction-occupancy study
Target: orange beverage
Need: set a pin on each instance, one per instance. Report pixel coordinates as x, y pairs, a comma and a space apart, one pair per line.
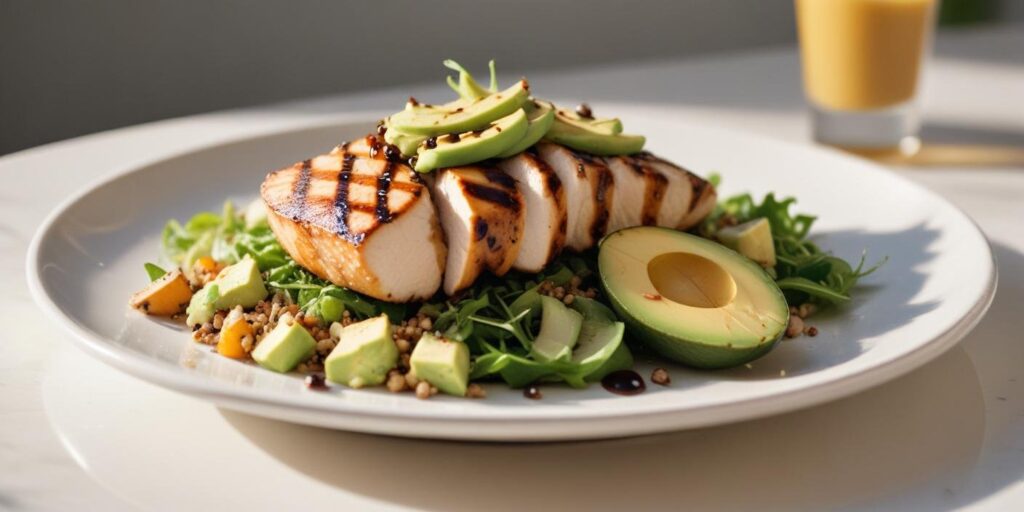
861, 57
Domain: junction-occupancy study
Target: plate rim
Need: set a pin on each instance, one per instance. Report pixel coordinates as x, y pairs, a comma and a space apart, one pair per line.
249, 400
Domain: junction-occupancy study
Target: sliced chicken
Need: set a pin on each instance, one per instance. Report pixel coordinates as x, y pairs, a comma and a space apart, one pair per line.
482, 213
589, 190
639, 193
545, 220
688, 198
359, 221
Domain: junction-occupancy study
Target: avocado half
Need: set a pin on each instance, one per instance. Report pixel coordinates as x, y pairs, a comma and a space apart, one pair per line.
690, 299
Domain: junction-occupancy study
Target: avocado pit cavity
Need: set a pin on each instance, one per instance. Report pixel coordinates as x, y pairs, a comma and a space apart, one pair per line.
691, 280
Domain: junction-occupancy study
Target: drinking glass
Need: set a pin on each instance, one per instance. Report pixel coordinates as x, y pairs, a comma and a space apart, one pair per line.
862, 63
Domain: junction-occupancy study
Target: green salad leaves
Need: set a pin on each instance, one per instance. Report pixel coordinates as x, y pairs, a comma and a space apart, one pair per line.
803, 271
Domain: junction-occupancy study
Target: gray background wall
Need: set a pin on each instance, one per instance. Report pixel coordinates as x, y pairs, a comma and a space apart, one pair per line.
74, 67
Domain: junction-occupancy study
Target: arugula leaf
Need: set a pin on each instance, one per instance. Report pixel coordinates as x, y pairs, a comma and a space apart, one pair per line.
154, 271
803, 271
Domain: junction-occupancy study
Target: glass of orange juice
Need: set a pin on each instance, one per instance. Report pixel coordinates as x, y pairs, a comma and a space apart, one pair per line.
862, 63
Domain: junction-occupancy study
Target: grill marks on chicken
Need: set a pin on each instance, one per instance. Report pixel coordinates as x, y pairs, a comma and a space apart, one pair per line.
482, 213
361, 219
639, 193
545, 219
701, 195
349, 217
589, 189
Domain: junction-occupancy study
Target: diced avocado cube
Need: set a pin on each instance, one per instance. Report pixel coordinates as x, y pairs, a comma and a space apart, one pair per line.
442, 363
201, 307
752, 239
559, 329
240, 285
364, 354
284, 347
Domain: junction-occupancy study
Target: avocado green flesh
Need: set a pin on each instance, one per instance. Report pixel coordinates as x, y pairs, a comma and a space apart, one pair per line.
237, 285
364, 354
284, 348
407, 143
474, 146
540, 118
752, 239
600, 349
594, 142
474, 116
442, 363
744, 328
559, 329
611, 126
240, 285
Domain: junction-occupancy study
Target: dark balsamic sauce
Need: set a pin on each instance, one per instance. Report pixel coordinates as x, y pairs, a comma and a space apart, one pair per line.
624, 382
316, 382
532, 392
392, 153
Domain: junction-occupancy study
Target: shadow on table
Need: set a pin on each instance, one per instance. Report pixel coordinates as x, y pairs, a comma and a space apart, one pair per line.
882, 302
846, 452
946, 145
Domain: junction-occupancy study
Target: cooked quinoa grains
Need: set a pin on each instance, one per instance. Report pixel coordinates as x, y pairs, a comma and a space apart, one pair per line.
661, 376
796, 326
423, 390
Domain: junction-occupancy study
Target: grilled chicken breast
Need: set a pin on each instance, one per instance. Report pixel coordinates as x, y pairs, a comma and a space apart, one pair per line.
358, 220
482, 214
589, 190
639, 193
545, 219
688, 197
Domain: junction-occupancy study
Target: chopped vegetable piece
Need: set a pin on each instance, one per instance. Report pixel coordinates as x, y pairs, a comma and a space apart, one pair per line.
231, 335
168, 295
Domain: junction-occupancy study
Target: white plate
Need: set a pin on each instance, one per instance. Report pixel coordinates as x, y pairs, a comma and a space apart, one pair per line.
86, 260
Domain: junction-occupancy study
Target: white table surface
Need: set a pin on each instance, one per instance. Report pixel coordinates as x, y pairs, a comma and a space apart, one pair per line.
76, 435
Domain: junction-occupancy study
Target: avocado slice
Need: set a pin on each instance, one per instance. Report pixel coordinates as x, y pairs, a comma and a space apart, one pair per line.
475, 115
752, 239
559, 329
407, 143
364, 354
283, 348
539, 115
442, 363
470, 147
611, 126
690, 299
600, 349
593, 142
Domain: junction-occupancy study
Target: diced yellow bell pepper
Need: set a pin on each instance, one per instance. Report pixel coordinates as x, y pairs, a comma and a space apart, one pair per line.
235, 328
208, 264
166, 296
